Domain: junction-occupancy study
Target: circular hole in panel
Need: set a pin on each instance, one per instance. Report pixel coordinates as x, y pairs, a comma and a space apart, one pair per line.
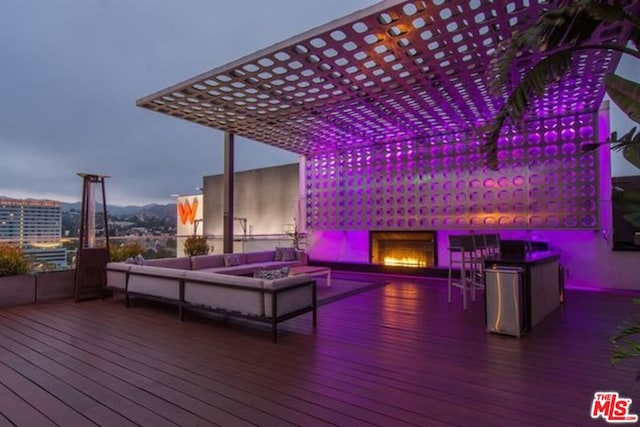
504, 181
570, 221
489, 196
551, 150
534, 152
536, 221
504, 195
489, 208
535, 179
488, 183
568, 134
534, 138
552, 221
520, 221
504, 220
550, 136
586, 132
504, 207
338, 35
489, 221
475, 196
552, 206
518, 180
568, 149
588, 221
517, 141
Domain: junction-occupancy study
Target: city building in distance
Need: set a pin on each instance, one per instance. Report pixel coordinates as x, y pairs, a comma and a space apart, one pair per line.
35, 226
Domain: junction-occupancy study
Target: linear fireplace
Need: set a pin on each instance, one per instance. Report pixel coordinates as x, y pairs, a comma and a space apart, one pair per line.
403, 248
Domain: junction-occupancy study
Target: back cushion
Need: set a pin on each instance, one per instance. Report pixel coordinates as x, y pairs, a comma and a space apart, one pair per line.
234, 259
207, 261
264, 256
182, 263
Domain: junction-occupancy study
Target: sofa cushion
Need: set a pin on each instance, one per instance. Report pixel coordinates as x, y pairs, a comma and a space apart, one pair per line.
277, 273
231, 260
182, 263
263, 256
198, 291
290, 300
117, 274
207, 261
157, 281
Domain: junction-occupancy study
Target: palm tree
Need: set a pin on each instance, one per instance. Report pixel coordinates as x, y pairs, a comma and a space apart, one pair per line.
559, 34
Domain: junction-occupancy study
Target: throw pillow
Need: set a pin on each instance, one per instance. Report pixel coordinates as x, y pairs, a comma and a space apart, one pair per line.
231, 260
289, 254
278, 273
139, 259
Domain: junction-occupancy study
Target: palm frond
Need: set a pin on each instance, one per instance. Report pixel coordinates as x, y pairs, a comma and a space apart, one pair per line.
625, 93
547, 71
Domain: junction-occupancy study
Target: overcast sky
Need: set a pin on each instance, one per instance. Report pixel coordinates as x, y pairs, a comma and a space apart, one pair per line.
71, 71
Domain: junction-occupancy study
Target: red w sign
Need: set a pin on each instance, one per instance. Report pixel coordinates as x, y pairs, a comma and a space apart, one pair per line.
187, 211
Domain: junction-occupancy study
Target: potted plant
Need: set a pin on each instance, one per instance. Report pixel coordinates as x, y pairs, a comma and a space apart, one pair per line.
17, 286
196, 245
125, 251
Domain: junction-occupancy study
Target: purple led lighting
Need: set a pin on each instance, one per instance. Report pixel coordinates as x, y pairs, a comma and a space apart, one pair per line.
396, 185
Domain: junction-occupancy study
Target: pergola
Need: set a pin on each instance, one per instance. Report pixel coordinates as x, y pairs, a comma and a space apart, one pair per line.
398, 77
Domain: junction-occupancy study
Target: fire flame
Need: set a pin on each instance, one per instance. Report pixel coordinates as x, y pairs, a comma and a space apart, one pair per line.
404, 262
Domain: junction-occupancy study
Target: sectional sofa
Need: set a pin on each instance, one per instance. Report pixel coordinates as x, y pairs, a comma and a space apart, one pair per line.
204, 283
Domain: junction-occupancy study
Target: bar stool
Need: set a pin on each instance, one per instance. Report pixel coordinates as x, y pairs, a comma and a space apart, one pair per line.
480, 252
493, 243
461, 252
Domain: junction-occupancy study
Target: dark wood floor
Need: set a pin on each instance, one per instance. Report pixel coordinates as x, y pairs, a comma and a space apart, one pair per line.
398, 355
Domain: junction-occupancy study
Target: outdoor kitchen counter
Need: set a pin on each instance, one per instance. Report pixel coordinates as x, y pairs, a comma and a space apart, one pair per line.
541, 283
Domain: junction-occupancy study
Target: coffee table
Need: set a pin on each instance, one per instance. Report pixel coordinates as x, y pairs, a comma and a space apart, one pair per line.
312, 271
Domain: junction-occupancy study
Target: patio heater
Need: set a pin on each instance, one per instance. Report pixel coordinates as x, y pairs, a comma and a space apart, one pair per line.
91, 258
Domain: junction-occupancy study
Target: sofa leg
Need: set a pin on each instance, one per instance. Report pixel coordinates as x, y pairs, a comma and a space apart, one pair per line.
181, 312
126, 301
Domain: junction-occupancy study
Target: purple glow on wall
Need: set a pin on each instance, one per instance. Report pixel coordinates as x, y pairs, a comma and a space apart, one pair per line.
544, 181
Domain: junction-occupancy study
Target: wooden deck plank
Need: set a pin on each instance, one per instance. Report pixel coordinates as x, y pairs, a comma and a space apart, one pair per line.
397, 355
33, 351
73, 387
20, 413
43, 402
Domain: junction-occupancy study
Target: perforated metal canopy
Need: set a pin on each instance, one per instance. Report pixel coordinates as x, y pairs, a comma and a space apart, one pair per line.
399, 70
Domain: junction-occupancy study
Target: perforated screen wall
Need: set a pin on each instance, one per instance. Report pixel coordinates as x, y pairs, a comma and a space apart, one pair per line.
544, 181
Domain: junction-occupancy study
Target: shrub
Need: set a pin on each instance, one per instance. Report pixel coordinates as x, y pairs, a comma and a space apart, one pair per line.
13, 261
196, 245
125, 251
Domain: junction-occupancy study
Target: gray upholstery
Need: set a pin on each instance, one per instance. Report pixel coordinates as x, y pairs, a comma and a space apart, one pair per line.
183, 263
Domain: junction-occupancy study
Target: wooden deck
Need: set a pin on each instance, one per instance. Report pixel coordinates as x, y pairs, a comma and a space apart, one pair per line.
398, 355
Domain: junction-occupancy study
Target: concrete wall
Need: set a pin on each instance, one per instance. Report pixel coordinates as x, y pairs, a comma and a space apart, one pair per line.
267, 198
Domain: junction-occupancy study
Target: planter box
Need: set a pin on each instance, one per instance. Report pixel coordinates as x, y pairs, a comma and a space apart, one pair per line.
17, 290
55, 285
